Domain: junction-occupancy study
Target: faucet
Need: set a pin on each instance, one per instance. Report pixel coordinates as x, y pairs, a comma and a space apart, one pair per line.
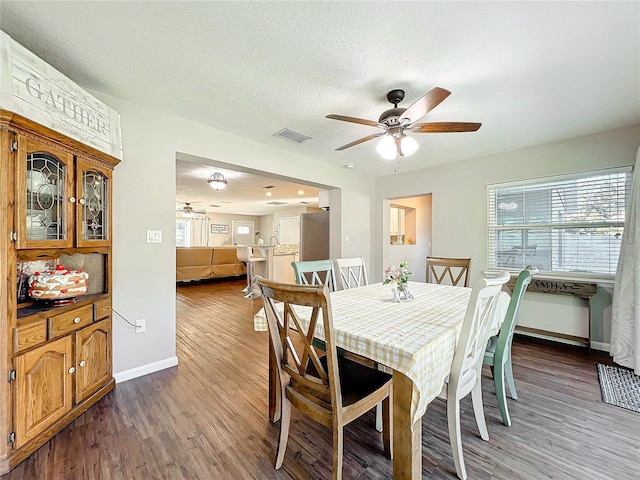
271, 238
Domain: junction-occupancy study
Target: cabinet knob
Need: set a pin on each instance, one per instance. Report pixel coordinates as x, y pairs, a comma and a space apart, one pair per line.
72, 199
82, 201
76, 320
83, 363
71, 370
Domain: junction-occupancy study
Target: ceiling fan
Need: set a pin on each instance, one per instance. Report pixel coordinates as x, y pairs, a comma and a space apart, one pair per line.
188, 210
397, 121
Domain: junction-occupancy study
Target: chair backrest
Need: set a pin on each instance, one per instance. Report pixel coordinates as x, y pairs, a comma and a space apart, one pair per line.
315, 272
297, 361
455, 270
243, 253
509, 324
479, 317
350, 272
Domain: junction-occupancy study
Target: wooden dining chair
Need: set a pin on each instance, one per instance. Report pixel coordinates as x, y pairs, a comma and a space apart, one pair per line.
315, 272
498, 352
444, 270
331, 390
466, 369
350, 273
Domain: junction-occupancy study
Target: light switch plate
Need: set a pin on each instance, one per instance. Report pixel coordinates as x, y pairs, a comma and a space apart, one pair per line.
154, 236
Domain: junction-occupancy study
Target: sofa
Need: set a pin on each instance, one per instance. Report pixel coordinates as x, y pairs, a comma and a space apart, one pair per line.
201, 263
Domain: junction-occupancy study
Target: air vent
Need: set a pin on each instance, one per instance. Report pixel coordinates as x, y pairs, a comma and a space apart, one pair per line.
215, 206
276, 203
269, 187
304, 203
292, 135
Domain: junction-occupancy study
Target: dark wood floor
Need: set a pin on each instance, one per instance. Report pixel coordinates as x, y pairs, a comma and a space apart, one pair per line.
206, 418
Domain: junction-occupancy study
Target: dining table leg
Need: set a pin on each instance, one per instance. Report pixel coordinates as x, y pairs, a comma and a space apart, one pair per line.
407, 435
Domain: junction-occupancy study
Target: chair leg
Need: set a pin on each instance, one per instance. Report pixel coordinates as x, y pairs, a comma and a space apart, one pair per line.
247, 289
379, 417
453, 419
387, 430
285, 420
478, 409
338, 447
508, 371
253, 293
501, 394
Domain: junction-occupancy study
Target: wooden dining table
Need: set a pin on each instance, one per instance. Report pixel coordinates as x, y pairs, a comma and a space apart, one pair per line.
415, 338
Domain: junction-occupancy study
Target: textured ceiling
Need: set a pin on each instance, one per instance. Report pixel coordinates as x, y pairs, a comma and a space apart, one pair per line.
245, 193
531, 72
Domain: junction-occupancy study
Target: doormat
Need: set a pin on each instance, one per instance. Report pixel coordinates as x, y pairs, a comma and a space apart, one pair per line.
619, 387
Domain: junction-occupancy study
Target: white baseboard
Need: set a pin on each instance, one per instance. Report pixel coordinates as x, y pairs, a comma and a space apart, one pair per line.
604, 347
145, 369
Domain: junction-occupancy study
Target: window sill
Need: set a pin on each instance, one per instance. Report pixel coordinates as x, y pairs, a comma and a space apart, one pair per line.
567, 276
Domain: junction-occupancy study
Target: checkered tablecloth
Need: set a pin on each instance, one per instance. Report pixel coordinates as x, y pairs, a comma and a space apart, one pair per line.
415, 337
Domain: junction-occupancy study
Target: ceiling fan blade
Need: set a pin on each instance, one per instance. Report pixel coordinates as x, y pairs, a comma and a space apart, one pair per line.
362, 140
425, 104
362, 121
445, 127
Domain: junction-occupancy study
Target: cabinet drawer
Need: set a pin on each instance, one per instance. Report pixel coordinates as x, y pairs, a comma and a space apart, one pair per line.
70, 321
29, 335
102, 309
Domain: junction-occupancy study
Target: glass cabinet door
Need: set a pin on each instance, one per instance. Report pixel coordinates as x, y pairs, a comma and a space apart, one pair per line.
44, 193
93, 186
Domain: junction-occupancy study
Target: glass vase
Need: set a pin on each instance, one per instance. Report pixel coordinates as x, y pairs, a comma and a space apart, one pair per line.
401, 292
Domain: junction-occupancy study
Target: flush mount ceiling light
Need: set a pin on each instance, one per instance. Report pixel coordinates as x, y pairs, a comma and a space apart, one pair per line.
217, 181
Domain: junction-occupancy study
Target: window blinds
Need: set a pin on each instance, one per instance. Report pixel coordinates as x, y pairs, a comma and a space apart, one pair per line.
560, 224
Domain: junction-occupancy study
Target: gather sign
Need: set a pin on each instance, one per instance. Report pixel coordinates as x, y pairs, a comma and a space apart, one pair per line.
34, 89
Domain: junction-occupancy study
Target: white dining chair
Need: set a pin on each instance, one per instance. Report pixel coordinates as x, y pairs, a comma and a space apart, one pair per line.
466, 368
350, 272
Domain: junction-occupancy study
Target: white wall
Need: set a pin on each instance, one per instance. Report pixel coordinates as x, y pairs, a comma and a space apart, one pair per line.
460, 211
266, 227
144, 199
218, 239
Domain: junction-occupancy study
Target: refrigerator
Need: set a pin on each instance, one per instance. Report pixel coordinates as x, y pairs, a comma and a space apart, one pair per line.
314, 236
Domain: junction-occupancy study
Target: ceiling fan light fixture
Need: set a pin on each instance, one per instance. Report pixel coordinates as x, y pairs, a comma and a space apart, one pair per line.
387, 147
408, 145
217, 181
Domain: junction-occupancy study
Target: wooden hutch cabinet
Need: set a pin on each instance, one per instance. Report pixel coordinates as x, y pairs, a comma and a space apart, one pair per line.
55, 202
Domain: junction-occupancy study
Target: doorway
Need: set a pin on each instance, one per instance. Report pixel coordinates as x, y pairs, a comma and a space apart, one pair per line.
409, 233
242, 232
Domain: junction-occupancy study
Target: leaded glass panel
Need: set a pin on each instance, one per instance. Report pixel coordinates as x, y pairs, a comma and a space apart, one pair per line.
45, 194
94, 214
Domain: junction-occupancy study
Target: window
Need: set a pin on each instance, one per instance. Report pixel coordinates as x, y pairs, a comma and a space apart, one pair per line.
182, 233
559, 224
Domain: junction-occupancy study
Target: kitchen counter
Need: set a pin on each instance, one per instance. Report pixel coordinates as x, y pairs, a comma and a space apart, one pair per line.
277, 264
